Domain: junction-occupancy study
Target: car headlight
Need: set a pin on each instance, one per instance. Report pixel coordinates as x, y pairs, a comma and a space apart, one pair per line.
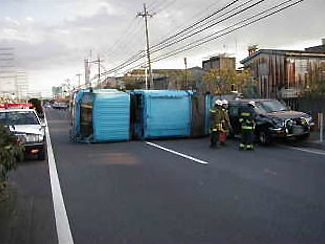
308, 119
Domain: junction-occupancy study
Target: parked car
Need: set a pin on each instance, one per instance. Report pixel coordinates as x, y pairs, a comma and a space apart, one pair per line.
273, 120
27, 127
60, 106
47, 105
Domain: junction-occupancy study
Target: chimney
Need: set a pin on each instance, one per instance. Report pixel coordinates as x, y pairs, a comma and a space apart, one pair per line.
252, 49
323, 41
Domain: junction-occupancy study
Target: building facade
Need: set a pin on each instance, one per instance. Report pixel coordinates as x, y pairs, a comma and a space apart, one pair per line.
220, 62
282, 73
317, 49
164, 79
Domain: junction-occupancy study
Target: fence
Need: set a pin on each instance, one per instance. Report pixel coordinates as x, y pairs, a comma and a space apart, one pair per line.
308, 104
315, 106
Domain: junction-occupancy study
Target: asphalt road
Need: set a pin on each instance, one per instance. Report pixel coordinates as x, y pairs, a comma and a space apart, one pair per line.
133, 192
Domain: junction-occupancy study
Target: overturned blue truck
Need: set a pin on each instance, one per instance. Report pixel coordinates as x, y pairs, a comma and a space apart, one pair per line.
104, 115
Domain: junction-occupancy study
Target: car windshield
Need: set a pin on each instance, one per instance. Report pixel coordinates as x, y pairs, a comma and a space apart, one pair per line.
259, 109
272, 106
18, 118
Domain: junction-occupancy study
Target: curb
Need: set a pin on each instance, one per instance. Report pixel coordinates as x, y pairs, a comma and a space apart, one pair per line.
313, 144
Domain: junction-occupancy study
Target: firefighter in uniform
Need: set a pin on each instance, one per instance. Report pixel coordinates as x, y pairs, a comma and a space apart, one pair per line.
225, 123
215, 123
247, 128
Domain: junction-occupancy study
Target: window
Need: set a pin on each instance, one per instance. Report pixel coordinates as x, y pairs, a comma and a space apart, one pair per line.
273, 106
3, 118
18, 118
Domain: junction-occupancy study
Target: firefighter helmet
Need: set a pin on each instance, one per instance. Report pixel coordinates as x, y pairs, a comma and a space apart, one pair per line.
251, 103
224, 102
218, 102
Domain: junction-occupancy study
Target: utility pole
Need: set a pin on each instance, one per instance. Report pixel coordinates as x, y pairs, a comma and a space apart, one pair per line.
145, 15
86, 72
146, 76
186, 82
98, 62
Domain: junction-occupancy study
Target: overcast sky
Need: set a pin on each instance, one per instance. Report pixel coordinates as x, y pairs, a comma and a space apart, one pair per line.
51, 38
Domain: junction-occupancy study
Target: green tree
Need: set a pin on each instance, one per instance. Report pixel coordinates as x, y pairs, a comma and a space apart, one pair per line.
317, 84
223, 81
10, 152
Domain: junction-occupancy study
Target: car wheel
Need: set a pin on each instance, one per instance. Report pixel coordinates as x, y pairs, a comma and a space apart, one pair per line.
264, 137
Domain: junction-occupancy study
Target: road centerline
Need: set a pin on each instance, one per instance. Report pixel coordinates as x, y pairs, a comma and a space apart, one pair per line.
61, 218
177, 153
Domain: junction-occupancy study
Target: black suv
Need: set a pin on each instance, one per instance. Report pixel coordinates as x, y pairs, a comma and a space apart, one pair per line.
273, 119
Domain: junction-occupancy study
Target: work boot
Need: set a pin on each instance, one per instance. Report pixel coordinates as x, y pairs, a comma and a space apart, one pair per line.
250, 148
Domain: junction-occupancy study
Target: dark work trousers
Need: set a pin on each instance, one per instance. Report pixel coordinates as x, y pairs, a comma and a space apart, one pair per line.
214, 138
247, 138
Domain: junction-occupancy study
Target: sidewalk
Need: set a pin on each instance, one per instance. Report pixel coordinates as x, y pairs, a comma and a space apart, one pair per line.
26, 214
313, 141
8, 209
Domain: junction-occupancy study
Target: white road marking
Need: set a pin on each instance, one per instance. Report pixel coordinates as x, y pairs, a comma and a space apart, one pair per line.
61, 218
177, 153
267, 171
308, 150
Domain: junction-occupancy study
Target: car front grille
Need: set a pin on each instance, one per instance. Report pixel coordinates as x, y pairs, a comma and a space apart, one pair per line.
32, 138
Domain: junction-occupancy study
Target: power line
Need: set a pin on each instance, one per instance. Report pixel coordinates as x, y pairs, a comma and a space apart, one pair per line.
155, 4
122, 42
136, 57
212, 37
145, 15
127, 49
218, 11
196, 23
211, 20
180, 27
148, 48
208, 27
165, 5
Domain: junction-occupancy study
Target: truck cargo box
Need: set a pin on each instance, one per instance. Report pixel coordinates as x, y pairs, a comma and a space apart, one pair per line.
101, 115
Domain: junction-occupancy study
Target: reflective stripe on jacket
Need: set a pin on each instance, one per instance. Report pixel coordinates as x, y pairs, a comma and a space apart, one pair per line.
216, 119
247, 122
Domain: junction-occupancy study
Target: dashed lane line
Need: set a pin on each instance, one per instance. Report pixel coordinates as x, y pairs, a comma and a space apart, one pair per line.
61, 218
177, 153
